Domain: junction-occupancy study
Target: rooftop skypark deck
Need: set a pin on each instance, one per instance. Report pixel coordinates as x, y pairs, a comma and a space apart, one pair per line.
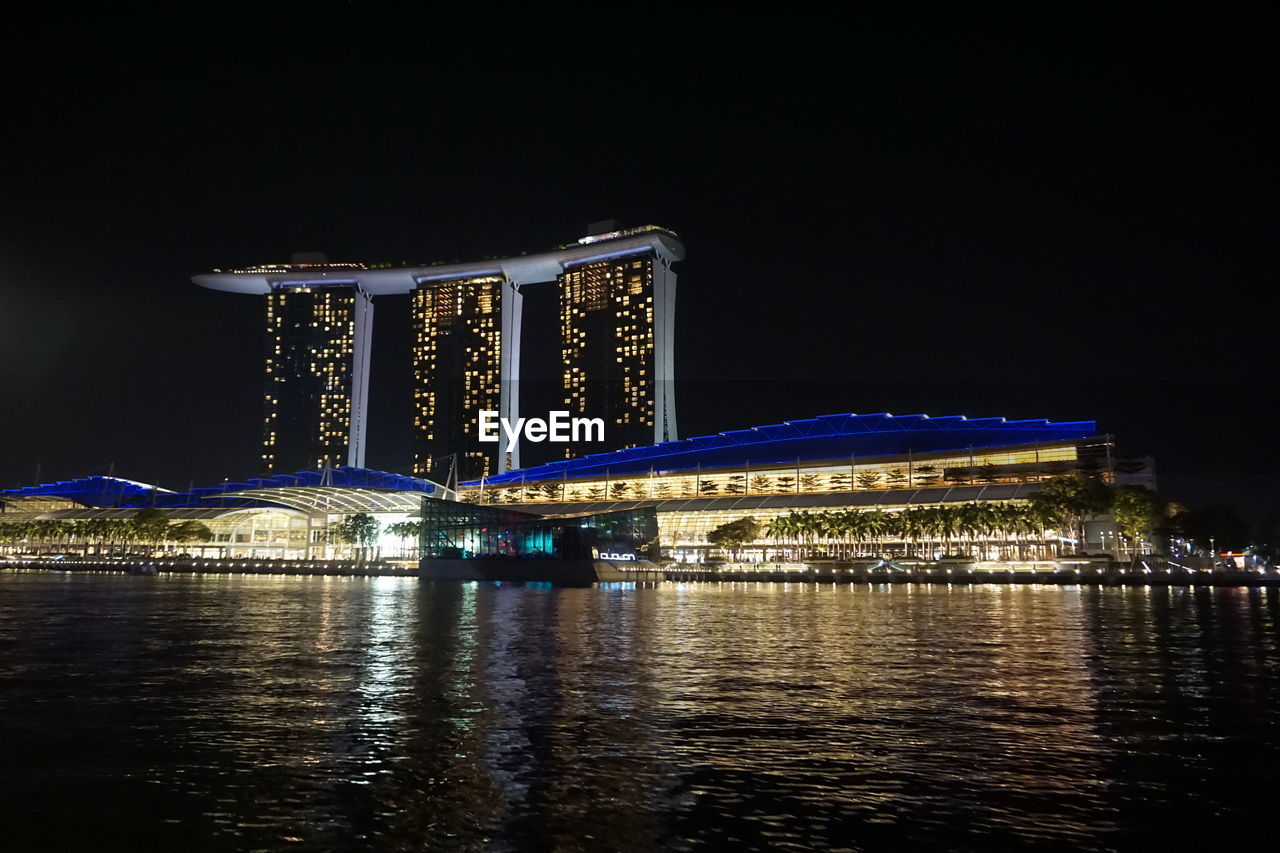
520, 269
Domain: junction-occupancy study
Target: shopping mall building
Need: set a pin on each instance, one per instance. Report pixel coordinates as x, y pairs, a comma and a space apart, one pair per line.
286, 517
827, 466
865, 463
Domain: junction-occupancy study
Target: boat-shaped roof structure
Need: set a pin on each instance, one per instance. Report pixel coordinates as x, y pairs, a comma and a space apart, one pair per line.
520, 269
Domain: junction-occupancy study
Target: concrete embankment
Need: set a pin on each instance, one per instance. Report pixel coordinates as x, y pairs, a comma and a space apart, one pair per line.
144, 566
1095, 575
1113, 576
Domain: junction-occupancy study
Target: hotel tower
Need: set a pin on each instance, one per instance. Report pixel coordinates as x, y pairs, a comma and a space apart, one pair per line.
617, 310
317, 367
615, 339
457, 373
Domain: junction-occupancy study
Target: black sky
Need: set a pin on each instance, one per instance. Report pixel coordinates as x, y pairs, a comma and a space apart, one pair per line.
1061, 213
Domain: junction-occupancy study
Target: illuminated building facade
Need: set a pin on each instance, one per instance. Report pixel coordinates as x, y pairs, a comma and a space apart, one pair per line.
841, 487
616, 318
833, 464
287, 517
457, 369
317, 370
468, 317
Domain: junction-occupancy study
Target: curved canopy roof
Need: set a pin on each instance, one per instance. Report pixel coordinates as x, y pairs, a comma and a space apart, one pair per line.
336, 499
209, 514
92, 491
521, 269
300, 490
827, 437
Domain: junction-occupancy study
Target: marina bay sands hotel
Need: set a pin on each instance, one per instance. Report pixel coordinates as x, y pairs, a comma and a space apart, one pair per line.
617, 295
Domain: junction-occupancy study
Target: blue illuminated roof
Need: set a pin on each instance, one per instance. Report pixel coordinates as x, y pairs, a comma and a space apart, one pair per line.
115, 492
93, 491
812, 439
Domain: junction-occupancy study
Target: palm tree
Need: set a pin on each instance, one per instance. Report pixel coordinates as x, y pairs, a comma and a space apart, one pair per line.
777, 528
149, 526
910, 528
946, 520
856, 525
405, 530
876, 525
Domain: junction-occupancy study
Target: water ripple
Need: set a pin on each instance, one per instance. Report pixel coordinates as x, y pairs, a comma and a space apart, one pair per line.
226, 713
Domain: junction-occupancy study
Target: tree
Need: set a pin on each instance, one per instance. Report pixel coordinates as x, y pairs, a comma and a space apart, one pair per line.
926, 475
150, 526
1073, 498
735, 484
189, 531
360, 530
1266, 536
910, 526
732, 535
1217, 526
841, 481
876, 525
618, 490
786, 484
988, 473
868, 479
405, 530
780, 527
896, 479
1135, 509
760, 484
708, 488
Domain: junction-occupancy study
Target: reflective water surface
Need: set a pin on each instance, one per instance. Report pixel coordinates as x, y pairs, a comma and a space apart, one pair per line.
245, 713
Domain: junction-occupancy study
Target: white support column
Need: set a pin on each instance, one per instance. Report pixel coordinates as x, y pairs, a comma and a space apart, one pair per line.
509, 371
361, 349
664, 322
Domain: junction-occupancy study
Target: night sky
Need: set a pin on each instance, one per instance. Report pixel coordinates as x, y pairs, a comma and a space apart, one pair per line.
1000, 211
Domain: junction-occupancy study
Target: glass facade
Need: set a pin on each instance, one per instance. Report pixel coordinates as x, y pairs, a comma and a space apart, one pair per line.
457, 361
452, 530
310, 345
684, 535
988, 466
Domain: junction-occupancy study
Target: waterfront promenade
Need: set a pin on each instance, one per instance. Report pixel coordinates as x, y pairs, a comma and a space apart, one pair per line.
1066, 572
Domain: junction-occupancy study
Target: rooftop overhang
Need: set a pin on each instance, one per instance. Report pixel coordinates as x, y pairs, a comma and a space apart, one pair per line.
810, 441
176, 514
336, 499
520, 269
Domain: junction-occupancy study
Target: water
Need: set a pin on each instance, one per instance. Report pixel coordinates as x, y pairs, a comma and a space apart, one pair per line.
246, 713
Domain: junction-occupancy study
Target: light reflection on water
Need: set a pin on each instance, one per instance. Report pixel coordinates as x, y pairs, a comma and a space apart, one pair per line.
222, 713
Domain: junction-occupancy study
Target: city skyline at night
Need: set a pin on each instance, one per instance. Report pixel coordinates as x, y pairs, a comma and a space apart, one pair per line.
379, 472
941, 236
